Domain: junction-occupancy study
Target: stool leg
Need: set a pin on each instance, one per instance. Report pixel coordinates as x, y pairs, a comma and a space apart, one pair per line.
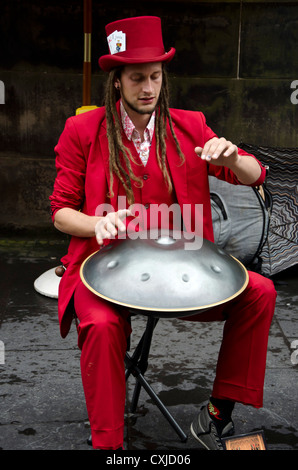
143, 361
142, 381
135, 396
138, 368
133, 360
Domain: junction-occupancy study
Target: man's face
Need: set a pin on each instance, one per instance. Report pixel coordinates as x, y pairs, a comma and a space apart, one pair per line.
140, 87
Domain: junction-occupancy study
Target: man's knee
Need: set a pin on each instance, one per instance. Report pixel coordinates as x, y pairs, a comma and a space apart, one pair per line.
261, 297
104, 323
261, 286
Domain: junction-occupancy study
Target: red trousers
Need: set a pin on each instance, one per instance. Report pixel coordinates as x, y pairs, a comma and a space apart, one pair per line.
102, 338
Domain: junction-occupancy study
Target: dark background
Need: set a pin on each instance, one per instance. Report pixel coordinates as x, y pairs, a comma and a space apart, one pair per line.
235, 61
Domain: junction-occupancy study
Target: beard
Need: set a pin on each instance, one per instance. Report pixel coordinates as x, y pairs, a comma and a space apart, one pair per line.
137, 109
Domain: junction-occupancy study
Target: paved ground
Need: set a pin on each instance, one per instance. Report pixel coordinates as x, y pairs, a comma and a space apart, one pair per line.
42, 403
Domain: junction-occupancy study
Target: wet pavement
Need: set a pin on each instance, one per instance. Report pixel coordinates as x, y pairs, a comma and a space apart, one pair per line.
42, 403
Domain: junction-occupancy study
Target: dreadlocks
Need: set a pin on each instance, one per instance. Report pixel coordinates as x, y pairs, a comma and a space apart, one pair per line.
120, 156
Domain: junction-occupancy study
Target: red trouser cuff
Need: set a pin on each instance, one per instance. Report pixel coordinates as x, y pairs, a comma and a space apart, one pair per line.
246, 396
107, 440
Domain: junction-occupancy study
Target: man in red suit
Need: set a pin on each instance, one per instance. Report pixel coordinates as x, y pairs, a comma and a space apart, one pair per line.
138, 150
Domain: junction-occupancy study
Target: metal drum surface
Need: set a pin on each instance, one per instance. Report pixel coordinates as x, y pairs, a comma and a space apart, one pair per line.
163, 278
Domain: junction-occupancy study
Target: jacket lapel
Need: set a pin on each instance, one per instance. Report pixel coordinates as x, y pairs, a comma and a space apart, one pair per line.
104, 147
178, 170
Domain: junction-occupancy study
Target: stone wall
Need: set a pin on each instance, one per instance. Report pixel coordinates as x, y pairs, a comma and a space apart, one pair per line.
236, 61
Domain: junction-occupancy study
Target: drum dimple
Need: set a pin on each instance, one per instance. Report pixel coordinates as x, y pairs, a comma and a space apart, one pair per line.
165, 241
112, 264
216, 269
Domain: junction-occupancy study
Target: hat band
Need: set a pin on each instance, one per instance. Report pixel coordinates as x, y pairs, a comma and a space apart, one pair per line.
141, 52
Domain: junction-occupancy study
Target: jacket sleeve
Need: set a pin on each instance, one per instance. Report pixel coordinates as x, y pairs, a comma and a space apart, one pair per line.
69, 184
224, 173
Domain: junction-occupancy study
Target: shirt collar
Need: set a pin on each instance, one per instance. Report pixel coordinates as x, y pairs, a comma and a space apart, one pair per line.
129, 127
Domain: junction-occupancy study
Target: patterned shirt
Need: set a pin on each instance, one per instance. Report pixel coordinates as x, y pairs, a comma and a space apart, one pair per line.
143, 148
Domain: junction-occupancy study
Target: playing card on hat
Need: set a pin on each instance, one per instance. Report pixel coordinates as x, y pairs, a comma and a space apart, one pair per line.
117, 42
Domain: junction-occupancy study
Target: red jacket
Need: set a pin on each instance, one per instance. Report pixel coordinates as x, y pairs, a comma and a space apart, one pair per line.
82, 162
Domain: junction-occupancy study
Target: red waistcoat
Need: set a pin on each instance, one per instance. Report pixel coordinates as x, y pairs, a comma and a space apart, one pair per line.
150, 194
82, 183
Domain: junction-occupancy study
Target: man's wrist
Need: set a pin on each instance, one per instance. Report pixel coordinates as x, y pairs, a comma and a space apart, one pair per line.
234, 163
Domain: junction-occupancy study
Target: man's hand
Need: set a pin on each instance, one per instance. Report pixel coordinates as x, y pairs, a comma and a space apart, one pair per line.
219, 152
108, 226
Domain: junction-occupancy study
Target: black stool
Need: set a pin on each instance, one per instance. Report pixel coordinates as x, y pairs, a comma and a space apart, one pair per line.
137, 364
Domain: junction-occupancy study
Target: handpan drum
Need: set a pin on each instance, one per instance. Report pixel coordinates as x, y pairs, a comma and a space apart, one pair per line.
160, 277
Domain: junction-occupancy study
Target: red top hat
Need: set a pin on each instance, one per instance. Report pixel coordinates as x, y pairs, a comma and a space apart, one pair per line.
135, 41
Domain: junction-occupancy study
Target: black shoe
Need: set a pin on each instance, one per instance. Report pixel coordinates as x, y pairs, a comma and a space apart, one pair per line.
204, 430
